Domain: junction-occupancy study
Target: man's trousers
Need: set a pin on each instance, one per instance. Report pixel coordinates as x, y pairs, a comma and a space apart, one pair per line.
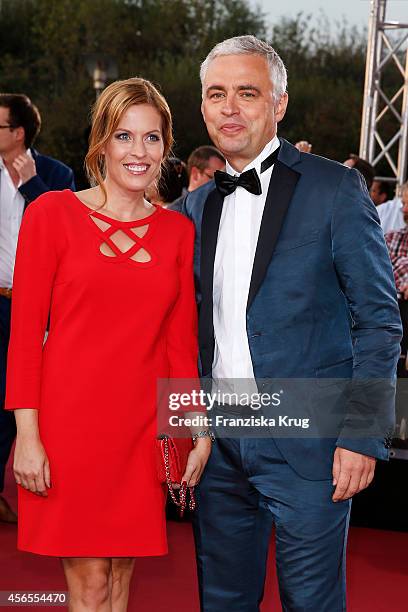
246, 489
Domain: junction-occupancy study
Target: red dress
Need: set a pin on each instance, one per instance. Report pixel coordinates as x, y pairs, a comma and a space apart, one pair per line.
116, 325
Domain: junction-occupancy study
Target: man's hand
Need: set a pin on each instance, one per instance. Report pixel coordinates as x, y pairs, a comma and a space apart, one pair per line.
404, 291
24, 165
352, 472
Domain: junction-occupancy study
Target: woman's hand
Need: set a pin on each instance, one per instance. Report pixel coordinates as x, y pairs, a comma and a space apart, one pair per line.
197, 461
31, 466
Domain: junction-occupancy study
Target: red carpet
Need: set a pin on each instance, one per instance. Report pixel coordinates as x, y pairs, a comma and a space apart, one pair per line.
377, 572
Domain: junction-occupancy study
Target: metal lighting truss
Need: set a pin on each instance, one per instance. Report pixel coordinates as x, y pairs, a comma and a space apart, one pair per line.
382, 50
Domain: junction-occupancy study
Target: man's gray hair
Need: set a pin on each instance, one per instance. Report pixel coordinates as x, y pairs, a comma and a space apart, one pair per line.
250, 45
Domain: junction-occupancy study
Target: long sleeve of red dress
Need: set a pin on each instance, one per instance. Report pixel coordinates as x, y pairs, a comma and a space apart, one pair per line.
182, 331
35, 268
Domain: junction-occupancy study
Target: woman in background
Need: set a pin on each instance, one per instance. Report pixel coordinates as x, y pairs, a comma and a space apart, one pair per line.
114, 273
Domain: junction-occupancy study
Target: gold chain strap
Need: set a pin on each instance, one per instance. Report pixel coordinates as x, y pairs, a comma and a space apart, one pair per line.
184, 489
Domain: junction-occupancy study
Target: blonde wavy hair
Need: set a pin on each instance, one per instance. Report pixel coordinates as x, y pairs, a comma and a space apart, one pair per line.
106, 114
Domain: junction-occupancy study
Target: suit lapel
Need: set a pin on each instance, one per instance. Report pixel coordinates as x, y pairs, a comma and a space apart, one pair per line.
209, 235
281, 187
26, 203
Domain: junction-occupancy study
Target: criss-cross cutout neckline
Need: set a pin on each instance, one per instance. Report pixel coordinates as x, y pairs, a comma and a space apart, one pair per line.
115, 234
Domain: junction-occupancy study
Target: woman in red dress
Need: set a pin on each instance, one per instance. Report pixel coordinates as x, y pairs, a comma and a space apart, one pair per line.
113, 275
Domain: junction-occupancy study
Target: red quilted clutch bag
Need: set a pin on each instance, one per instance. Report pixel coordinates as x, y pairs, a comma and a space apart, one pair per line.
172, 455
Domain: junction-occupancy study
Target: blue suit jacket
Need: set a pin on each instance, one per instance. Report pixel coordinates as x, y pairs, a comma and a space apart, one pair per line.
52, 175
322, 302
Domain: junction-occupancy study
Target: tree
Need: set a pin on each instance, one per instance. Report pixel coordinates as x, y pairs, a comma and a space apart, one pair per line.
43, 50
44, 44
326, 82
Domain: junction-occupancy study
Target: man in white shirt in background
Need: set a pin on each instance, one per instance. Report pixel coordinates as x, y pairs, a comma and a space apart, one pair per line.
389, 210
24, 175
391, 215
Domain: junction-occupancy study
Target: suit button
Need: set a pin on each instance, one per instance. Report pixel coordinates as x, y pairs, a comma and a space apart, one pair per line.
256, 335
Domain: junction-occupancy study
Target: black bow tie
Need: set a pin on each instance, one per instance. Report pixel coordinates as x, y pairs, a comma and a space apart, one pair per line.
249, 180
227, 184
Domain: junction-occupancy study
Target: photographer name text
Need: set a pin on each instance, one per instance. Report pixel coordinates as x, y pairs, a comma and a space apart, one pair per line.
229, 421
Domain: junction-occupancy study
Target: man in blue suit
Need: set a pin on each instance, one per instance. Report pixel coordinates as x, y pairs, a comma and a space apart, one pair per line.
294, 283
24, 175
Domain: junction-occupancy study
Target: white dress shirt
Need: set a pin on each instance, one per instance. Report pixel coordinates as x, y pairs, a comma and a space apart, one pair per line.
11, 213
391, 216
237, 239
